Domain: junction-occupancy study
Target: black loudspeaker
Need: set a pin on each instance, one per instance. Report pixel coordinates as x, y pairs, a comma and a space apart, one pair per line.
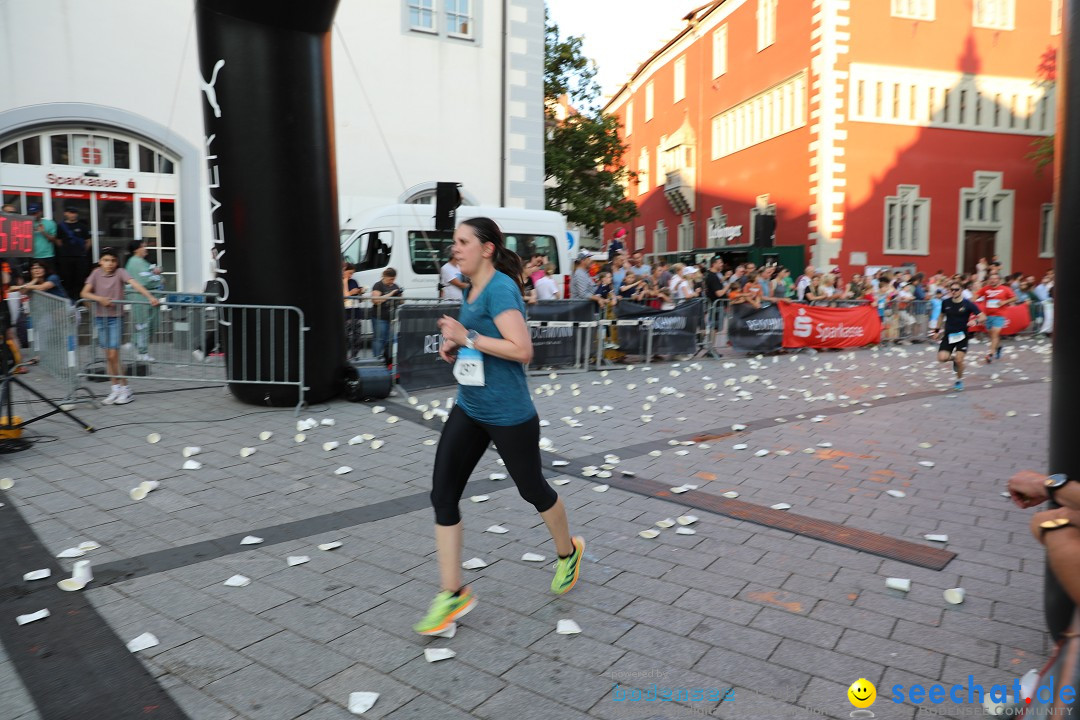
764, 230
367, 380
447, 200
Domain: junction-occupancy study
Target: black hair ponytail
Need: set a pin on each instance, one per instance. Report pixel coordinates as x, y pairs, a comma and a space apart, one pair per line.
505, 260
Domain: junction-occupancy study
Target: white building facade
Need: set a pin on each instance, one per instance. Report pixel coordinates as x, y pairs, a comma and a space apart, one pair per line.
101, 111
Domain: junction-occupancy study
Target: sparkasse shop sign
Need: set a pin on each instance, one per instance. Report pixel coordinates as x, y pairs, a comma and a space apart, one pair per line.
55, 180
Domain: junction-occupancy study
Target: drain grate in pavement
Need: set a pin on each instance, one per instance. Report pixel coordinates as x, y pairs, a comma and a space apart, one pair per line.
830, 532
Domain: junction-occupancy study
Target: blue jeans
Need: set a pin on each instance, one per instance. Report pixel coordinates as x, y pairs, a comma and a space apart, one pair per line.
108, 329
995, 322
379, 347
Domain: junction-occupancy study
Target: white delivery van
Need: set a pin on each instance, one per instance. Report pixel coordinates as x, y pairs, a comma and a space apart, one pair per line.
404, 237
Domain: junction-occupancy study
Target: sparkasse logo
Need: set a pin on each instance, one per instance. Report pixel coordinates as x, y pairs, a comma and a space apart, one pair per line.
804, 326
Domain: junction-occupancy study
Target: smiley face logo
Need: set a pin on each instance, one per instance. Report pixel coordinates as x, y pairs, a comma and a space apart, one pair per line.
862, 693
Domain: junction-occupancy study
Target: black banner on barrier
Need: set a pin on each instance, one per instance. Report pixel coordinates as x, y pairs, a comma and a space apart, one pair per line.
418, 362
558, 345
674, 331
756, 330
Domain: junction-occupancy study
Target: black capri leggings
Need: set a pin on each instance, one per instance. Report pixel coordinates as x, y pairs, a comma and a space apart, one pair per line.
464, 441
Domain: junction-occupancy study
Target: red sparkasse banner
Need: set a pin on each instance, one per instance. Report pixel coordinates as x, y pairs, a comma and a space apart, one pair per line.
827, 327
1017, 318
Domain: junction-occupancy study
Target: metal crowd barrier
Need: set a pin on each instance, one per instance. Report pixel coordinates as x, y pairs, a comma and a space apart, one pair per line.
52, 335
189, 342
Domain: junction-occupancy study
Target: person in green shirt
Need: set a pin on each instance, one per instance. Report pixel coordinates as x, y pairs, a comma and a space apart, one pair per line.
45, 239
783, 285
144, 317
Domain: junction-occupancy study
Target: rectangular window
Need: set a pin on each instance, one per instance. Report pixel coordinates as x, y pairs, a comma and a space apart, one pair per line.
680, 79
59, 146
906, 222
31, 150
649, 97
1046, 231
121, 154
643, 172
719, 51
766, 23
629, 118
769, 114
913, 9
1055, 16
422, 15
146, 160
659, 242
639, 238
994, 14
459, 18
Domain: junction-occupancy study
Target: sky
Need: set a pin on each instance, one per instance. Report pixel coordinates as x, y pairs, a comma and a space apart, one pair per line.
619, 35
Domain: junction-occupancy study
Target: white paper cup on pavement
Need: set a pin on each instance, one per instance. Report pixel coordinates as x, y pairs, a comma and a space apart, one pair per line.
902, 584
80, 576
954, 596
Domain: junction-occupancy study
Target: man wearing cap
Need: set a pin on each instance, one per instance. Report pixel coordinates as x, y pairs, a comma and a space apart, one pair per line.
73, 258
45, 239
581, 284
616, 245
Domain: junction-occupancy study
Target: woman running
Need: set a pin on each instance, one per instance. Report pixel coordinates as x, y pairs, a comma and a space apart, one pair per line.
489, 345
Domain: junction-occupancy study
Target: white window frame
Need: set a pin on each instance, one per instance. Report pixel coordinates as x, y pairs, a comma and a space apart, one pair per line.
1056, 16
639, 239
994, 14
719, 51
909, 241
424, 7
659, 238
769, 114
766, 23
686, 234
453, 20
629, 118
1046, 231
650, 98
661, 163
643, 172
913, 9
679, 80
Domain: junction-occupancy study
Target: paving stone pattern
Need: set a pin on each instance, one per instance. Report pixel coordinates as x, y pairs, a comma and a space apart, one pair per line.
786, 621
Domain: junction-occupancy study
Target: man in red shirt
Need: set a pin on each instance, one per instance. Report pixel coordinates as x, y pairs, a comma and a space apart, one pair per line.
996, 296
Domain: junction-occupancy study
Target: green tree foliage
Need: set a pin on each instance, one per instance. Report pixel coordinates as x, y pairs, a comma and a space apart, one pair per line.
583, 154
1042, 149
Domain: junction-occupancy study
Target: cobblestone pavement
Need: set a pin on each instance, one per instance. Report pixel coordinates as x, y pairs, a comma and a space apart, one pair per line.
786, 621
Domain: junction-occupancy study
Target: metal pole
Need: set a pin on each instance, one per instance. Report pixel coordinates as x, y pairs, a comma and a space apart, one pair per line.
1065, 398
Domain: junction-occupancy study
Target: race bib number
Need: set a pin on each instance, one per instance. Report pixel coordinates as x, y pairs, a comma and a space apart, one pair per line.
993, 303
956, 337
469, 368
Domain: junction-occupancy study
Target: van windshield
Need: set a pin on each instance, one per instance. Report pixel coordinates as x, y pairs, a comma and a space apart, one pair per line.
528, 246
371, 250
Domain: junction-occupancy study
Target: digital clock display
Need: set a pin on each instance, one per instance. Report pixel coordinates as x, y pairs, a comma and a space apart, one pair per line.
16, 235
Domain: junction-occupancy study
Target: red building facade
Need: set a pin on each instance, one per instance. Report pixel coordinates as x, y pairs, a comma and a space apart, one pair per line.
876, 133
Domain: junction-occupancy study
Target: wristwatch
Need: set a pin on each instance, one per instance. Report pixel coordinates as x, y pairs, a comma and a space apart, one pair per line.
1054, 524
1054, 482
470, 339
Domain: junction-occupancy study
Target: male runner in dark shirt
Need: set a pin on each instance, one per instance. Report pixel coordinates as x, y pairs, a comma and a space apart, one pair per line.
956, 313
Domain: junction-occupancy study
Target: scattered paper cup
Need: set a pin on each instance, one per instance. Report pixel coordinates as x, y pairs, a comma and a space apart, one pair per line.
144, 641
265, 435
665, 523
80, 576
299, 437
330, 545
437, 654
251, 540
297, 560
192, 465
37, 574
71, 553
567, 627
328, 446
497, 530
6, 483
474, 564
954, 596
191, 451
153, 438
343, 470
685, 531
902, 584
533, 557
144, 488
31, 617
649, 534
361, 702
238, 581
247, 452
329, 422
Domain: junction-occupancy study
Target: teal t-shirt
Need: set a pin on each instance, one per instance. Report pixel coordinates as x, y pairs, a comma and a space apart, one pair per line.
43, 248
504, 399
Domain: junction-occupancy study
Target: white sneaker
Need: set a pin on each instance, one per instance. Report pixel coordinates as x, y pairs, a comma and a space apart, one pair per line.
145, 357
198, 355
112, 397
125, 396
126, 347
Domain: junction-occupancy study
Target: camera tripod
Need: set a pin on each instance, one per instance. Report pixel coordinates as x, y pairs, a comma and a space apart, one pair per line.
7, 379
